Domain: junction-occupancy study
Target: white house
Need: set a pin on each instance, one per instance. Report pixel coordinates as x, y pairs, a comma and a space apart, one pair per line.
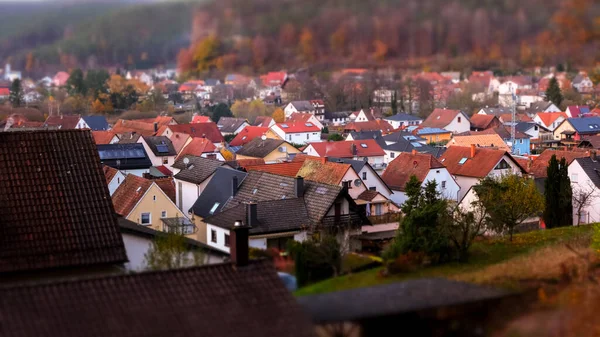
298, 132
298, 117
583, 84
366, 150
370, 178
585, 183
10, 75
160, 150
299, 106
114, 178
401, 119
455, 121
550, 120
423, 166
231, 125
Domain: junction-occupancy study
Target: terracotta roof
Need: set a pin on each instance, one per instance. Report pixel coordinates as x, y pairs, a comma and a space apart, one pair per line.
63, 122
109, 173
440, 118
197, 147
179, 139
479, 166
295, 127
208, 130
577, 110
168, 186
381, 125
325, 172
4, 91
363, 148
480, 140
221, 300
103, 137
289, 169
502, 131
539, 165
164, 170
263, 121
368, 195
299, 117
481, 121
247, 134
201, 119
129, 193
139, 127
399, 170
55, 210
550, 117
243, 163
259, 148
273, 78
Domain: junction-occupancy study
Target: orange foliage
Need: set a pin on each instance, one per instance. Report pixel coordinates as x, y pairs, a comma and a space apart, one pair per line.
278, 115
185, 61
307, 45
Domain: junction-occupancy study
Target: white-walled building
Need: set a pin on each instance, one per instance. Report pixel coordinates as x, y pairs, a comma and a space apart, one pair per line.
160, 150
455, 121
297, 132
585, 183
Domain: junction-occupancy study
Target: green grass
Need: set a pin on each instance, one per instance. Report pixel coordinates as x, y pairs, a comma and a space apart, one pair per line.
484, 253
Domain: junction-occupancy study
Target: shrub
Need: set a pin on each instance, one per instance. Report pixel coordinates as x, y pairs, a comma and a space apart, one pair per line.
406, 262
316, 260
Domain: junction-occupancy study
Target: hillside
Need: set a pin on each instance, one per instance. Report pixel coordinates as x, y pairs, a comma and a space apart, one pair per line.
260, 34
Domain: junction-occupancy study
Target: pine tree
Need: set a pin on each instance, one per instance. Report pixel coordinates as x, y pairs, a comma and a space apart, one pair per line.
558, 194
553, 93
16, 93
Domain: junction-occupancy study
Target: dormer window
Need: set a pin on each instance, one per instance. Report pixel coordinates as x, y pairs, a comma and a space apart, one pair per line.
503, 165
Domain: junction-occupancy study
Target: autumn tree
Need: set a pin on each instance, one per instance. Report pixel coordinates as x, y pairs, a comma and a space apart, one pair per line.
221, 110
509, 200
16, 93
206, 53
338, 40
307, 46
380, 50
558, 194
185, 60
240, 109
584, 196
98, 106
95, 82
76, 82
260, 51
464, 226
278, 115
171, 251
553, 93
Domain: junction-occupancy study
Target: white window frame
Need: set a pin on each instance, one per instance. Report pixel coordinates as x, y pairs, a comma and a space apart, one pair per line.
163, 214
149, 218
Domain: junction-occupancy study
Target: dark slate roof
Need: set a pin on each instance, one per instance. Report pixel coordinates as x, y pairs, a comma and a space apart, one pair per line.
591, 169
96, 123
303, 105
403, 117
261, 186
219, 300
394, 299
357, 165
587, 125
524, 126
161, 146
55, 210
124, 156
197, 170
275, 216
436, 151
338, 114
211, 82
258, 148
497, 111
219, 189
230, 124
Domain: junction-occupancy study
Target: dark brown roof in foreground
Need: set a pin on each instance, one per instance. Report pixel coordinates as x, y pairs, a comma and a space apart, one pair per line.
55, 210
220, 300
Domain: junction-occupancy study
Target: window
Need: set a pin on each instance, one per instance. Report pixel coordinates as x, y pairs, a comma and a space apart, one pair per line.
378, 209
392, 154
226, 240
307, 136
213, 236
574, 178
154, 197
462, 161
502, 165
165, 160
459, 119
363, 145
214, 208
118, 180
520, 141
145, 219
364, 176
347, 184
583, 217
163, 214
373, 188
444, 184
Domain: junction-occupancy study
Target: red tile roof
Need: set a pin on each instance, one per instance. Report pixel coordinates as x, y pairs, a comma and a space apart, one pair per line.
295, 127
247, 134
274, 78
399, 170
164, 170
539, 165
368, 195
179, 140
323, 171
140, 127
484, 161
243, 163
378, 125
317, 102
129, 193
440, 118
263, 121
289, 169
344, 149
201, 119
209, 130
299, 117
575, 110
65, 122
109, 173
481, 121
103, 137
197, 147
168, 186
4, 91
550, 117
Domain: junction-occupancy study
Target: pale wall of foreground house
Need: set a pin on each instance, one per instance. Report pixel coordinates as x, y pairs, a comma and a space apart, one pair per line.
115, 182
156, 160
256, 241
581, 182
459, 124
450, 192
154, 206
354, 191
187, 193
374, 180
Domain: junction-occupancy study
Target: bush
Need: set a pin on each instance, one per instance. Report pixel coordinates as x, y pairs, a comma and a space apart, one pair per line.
406, 263
316, 260
335, 137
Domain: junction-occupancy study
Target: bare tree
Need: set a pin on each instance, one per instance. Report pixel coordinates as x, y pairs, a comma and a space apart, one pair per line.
583, 196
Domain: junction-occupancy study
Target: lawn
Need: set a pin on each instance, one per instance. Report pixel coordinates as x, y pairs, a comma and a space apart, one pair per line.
490, 260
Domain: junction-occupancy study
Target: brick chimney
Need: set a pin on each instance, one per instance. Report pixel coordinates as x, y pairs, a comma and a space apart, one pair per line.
155, 127
473, 149
299, 187
234, 185
414, 151
353, 149
251, 214
324, 159
239, 237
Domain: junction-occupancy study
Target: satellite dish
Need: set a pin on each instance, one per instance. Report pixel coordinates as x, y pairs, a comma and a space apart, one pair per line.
263, 137
357, 182
186, 160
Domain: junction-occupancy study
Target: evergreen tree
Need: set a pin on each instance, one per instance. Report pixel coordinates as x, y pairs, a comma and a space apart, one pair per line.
553, 93
221, 110
76, 82
395, 102
95, 82
16, 93
558, 195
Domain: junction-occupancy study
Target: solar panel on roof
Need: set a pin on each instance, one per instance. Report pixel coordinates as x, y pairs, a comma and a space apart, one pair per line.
162, 148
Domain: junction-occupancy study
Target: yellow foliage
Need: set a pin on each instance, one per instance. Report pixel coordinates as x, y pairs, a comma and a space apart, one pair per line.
338, 40
307, 45
279, 116
206, 53
97, 106
240, 108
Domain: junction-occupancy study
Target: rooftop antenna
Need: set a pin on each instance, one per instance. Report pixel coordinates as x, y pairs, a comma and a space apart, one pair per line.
514, 121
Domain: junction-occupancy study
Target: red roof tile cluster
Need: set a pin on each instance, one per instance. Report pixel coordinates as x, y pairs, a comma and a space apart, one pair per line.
299, 117
109, 173
243, 163
103, 137
440, 118
247, 134
129, 193
539, 165
297, 127
201, 119
458, 161
190, 86
273, 78
482, 78
399, 170
550, 117
289, 169
575, 110
62, 121
179, 140
480, 121
168, 186
4, 91
323, 171
208, 130
317, 102
197, 147
348, 149
377, 125
139, 127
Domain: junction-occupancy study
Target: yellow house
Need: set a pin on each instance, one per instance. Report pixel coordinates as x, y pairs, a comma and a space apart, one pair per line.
151, 203
435, 135
271, 150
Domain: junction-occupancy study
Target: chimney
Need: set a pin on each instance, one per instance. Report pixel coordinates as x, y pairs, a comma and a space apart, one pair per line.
251, 214
473, 150
324, 159
155, 127
414, 151
299, 187
593, 155
239, 237
234, 185
353, 149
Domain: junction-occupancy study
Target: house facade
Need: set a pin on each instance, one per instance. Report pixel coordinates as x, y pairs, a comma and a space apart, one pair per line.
160, 150
400, 120
297, 132
454, 121
585, 183
550, 120
367, 150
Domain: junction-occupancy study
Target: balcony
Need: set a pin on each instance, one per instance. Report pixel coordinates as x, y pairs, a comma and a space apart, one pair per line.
384, 218
181, 226
347, 220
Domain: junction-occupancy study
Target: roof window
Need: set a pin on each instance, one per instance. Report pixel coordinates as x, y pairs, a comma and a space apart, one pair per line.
462, 161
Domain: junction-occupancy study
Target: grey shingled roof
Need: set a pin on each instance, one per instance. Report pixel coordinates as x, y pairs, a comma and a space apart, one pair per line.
394, 299
403, 117
303, 105
357, 165
197, 170
258, 148
230, 124
219, 189
275, 216
155, 141
591, 169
